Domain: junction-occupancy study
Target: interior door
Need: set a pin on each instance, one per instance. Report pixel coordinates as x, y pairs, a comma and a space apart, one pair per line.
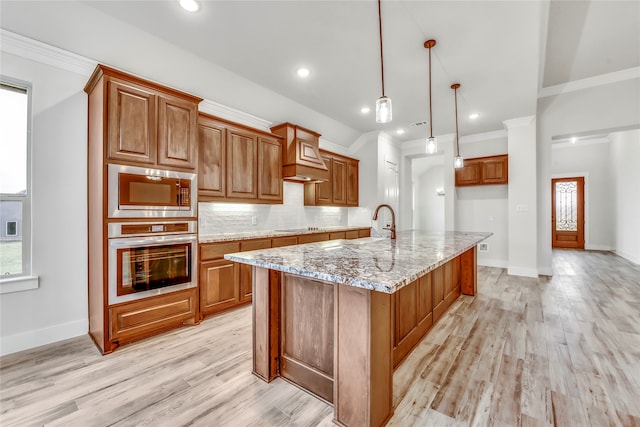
567, 212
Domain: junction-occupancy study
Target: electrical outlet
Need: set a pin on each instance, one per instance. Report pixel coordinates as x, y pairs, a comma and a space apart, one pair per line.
254, 220
483, 247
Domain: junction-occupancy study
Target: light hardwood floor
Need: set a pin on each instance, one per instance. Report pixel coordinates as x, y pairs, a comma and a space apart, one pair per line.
559, 351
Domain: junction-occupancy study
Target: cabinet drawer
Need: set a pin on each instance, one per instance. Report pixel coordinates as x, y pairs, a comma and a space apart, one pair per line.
217, 250
284, 241
310, 238
253, 245
140, 318
337, 235
364, 232
352, 234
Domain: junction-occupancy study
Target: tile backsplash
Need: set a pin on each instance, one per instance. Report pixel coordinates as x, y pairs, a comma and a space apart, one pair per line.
215, 218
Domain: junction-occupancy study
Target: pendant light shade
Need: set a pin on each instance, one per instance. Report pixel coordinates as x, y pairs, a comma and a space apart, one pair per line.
458, 162
383, 104
432, 144
383, 109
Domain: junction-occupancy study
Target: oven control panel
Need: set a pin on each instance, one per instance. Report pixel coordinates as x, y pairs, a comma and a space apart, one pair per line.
130, 229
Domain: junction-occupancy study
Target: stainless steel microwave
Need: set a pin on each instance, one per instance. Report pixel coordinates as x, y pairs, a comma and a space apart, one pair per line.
135, 192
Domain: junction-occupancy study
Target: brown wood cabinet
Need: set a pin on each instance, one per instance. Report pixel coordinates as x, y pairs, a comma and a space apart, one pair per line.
342, 187
133, 122
139, 319
301, 159
146, 123
238, 163
224, 284
484, 171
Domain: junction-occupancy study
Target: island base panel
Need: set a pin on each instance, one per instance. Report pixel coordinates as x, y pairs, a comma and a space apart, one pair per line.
363, 383
468, 272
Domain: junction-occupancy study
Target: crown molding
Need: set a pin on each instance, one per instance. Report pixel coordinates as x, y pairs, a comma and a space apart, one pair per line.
518, 122
25, 47
335, 148
485, 136
228, 113
589, 82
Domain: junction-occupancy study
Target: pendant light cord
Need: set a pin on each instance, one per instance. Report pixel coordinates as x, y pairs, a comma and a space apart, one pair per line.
430, 108
455, 96
381, 57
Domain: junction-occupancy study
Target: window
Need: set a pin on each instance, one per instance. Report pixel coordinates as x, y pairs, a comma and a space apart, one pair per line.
11, 228
15, 168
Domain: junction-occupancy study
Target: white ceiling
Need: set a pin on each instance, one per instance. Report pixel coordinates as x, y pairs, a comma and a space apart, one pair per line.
495, 49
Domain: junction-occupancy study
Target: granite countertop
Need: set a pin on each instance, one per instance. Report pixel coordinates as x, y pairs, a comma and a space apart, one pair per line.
225, 237
378, 264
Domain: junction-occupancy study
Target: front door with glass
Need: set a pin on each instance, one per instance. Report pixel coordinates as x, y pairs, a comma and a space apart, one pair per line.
567, 212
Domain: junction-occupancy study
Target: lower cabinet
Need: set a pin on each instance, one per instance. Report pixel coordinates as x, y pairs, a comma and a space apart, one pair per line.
225, 284
218, 289
139, 319
420, 304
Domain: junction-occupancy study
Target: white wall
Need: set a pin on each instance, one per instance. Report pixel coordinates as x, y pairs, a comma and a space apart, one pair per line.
484, 208
625, 155
590, 160
429, 206
608, 108
58, 308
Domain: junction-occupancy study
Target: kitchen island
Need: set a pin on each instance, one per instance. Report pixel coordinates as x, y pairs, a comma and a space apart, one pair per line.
336, 317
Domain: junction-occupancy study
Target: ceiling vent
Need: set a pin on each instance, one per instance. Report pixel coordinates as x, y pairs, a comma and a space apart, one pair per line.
417, 124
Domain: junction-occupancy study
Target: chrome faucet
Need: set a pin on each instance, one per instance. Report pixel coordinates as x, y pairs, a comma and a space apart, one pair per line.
393, 220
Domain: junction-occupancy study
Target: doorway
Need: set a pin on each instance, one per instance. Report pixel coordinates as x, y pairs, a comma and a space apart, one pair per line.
567, 212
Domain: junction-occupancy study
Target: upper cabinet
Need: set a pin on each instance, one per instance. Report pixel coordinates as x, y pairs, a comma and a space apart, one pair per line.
342, 187
147, 124
483, 171
237, 163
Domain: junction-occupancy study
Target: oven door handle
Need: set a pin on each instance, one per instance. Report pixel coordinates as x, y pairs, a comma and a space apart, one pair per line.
131, 242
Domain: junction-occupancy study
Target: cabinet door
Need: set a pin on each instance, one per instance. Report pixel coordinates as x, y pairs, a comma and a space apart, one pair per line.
242, 160
324, 190
212, 173
269, 169
469, 174
339, 181
352, 183
218, 286
494, 170
131, 123
177, 121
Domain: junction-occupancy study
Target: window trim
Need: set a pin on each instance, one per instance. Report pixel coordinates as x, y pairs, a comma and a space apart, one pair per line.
26, 280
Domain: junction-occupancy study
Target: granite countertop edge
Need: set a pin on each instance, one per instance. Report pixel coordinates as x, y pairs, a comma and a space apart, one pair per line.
250, 235
356, 281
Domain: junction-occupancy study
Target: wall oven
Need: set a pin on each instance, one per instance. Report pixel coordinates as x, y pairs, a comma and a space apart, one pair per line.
136, 192
147, 259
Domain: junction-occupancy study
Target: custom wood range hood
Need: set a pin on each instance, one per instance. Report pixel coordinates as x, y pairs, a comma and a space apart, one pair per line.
301, 160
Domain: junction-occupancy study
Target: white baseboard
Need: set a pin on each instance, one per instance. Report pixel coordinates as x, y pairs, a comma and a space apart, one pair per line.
631, 257
594, 247
36, 338
500, 263
522, 271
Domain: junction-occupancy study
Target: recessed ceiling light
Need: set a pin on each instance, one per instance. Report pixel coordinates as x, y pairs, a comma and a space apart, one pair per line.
474, 116
400, 131
573, 140
365, 110
303, 72
190, 5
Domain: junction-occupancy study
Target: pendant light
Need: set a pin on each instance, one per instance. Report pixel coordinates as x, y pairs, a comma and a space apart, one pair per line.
383, 104
432, 144
458, 162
